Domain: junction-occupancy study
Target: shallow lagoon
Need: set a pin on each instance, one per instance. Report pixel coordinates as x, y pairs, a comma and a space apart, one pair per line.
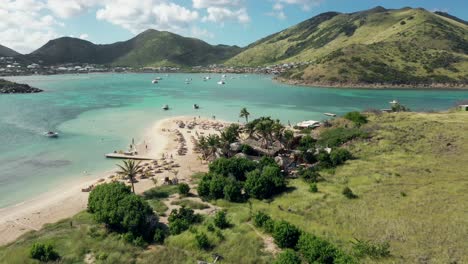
99, 113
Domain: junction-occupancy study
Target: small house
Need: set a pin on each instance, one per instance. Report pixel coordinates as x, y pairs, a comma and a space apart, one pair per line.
463, 107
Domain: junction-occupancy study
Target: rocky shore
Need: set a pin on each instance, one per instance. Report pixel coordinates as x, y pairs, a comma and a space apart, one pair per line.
456, 86
7, 87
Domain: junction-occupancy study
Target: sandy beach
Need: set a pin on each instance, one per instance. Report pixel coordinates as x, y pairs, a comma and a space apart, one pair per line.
163, 138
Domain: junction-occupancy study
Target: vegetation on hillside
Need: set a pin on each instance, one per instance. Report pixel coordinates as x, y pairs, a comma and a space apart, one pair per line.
403, 172
398, 47
150, 48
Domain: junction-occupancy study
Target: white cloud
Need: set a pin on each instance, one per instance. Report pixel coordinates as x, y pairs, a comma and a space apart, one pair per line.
279, 5
69, 8
200, 33
219, 3
84, 36
220, 14
141, 15
24, 26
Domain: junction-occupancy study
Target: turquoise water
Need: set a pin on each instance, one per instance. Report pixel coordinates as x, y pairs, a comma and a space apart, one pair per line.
96, 114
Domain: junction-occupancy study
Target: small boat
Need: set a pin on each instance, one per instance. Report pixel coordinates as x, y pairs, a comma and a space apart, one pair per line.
195, 106
165, 107
393, 102
221, 82
51, 134
207, 78
158, 78
154, 81
224, 75
330, 114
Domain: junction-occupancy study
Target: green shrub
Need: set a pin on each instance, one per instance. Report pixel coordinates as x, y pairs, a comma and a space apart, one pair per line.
233, 191
288, 256
183, 189
264, 184
220, 220
121, 210
307, 142
356, 117
43, 252
160, 235
348, 193
236, 167
210, 227
203, 188
313, 187
316, 250
373, 250
217, 185
309, 175
202, 241
339, 156
180, 220
260, 218
285, 234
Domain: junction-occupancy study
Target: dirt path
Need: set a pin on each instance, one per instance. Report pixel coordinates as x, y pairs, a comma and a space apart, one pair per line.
268, 242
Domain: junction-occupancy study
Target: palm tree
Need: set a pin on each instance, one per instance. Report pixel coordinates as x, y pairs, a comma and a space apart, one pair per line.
130, 169
288, 137
244, 113
213, 142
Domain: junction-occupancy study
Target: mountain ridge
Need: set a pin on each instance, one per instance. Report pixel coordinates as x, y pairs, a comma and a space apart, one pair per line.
7, 52
390, 46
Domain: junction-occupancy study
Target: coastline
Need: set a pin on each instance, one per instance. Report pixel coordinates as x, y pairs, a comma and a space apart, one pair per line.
375, 86
68, 199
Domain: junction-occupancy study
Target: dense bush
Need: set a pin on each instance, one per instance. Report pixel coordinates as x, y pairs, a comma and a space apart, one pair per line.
307, 142
220, 220
248, 150
348, 193
160, 235
236, 167
313, 187
183, 189
316, 250
309, 175
180, 220
263, 184
288, 256
114, 205
324, 159
233, 191
202, 241
339, 156
260, 219
43, 252
335, 137
286, 235
356, 117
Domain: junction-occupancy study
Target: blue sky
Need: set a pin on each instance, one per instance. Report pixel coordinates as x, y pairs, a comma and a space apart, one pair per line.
28, 24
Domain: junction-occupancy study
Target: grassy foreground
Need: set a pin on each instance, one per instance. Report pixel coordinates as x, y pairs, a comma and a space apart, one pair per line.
411, 182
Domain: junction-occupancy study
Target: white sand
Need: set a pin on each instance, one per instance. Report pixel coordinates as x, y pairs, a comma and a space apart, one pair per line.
67, 200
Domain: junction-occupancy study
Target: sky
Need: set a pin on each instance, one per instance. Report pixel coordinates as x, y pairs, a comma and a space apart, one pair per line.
26, 25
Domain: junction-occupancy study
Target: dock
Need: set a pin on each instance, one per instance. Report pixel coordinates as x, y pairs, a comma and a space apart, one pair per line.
126, 156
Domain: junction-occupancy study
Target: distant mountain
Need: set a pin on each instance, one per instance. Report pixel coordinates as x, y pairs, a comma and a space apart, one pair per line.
150, 48
404, 46
7, 52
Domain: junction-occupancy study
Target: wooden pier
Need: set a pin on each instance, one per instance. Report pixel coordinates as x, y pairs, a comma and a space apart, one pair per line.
126, 156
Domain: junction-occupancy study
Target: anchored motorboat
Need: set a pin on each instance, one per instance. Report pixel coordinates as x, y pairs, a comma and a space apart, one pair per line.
195, 106
165, 107
51, 134
154, 81
222, 82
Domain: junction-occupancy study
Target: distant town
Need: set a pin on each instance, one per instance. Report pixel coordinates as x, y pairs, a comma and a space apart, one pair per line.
9, 66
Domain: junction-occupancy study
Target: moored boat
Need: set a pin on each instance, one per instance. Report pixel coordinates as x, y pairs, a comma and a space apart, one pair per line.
51, 134
165, 107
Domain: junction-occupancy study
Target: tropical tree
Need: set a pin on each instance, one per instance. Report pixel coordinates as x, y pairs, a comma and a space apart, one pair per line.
265, 129
130, 170
213, 142
288, 138
245, 114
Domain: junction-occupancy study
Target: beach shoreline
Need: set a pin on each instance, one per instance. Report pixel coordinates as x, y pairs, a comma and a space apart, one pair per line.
68, 199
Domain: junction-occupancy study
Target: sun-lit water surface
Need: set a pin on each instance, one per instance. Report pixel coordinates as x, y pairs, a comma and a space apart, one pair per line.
99, 113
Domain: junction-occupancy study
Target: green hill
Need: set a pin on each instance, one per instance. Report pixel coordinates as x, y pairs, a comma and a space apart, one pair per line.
150, 48
404, 46
4, 51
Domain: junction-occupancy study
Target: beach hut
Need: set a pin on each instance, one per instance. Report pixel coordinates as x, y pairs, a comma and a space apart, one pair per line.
463, 108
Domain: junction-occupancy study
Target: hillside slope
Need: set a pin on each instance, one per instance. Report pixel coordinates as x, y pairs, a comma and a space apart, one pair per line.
7, 52
150, 48
404, 46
